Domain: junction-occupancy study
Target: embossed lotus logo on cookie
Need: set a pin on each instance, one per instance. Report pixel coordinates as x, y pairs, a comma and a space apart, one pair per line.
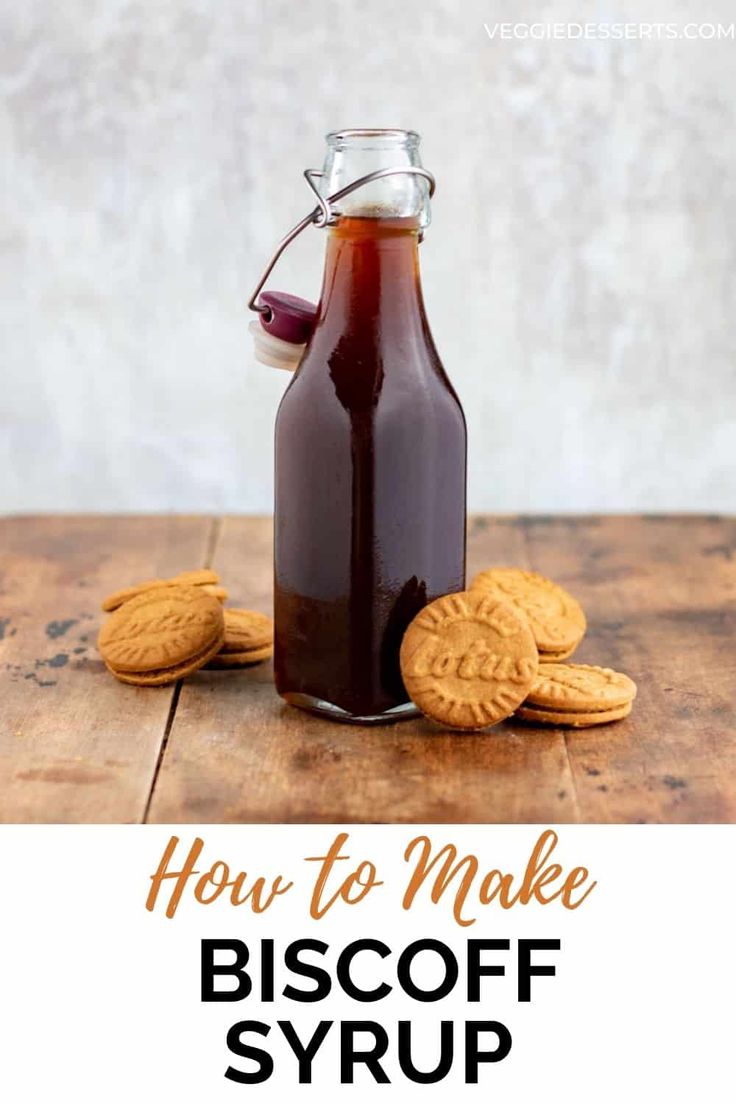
469, 660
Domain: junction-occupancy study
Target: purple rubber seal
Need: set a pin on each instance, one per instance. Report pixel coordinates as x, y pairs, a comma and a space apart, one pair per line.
289, 317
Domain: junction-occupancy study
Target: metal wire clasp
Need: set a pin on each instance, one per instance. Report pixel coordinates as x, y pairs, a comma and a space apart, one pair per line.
322, 214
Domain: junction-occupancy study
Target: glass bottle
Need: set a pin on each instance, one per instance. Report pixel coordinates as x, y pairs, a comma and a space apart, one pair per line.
370, 452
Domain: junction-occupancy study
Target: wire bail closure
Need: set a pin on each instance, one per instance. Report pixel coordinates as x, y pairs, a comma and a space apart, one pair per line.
323, 215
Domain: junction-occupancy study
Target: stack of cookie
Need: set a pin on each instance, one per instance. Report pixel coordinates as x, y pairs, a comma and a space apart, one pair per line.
470, 660
162, 630
576, 695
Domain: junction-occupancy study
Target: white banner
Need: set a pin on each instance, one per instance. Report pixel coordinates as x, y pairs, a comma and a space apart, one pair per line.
588, 963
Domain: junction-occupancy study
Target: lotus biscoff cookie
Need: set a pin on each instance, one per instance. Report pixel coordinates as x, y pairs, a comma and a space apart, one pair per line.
246, 629
248, 639
580, 686
203, 577
555, 617
162, 634
578, 695
468, 660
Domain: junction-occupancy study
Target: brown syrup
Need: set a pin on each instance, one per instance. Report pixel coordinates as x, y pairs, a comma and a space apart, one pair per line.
370, 479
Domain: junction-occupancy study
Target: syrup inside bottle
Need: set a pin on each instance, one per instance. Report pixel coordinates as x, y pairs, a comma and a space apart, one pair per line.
370, 480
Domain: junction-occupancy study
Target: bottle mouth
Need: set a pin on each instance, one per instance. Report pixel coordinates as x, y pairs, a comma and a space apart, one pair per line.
373, 139
361, 152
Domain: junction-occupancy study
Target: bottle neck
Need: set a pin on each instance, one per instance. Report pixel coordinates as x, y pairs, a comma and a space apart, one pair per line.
372, 275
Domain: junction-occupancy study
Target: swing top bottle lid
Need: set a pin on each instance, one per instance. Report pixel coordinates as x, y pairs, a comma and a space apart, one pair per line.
367, 174
289, 317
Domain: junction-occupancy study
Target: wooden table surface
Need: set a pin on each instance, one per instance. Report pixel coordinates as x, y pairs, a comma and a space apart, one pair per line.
77, 746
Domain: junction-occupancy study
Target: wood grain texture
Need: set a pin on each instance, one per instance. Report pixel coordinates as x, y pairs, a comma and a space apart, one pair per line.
237, 753
75, 744
660, 599
660, 594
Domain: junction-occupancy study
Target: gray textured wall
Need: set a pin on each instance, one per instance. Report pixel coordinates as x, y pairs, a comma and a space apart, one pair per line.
579, 271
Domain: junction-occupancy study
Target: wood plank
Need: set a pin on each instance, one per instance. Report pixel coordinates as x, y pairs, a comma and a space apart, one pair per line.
660, 594
75, 745
236, 752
